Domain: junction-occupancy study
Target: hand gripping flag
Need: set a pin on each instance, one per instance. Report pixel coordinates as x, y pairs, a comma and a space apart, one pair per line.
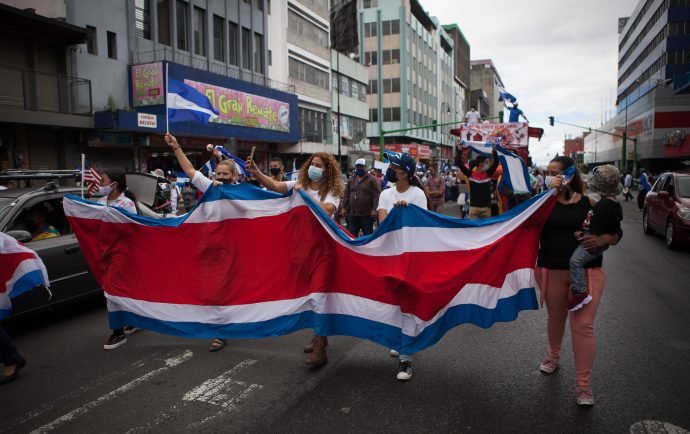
419, 275
21, 270
515, 174
188, 104
210, 166
505, 96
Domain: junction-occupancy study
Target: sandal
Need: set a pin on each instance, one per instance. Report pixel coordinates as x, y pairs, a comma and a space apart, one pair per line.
217, 345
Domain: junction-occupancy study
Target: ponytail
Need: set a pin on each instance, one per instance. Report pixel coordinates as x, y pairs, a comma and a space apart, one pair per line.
416, 182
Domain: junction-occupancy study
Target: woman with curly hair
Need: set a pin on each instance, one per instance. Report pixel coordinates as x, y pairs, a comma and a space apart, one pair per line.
319, 177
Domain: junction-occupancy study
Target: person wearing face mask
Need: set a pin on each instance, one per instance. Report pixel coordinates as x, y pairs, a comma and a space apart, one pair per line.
360, 199
479, 179
408, 190
435, 188
319, 177
115, 193
276, 168
226, 173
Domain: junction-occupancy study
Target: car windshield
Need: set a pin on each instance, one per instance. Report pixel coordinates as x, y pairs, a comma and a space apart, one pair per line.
684, 186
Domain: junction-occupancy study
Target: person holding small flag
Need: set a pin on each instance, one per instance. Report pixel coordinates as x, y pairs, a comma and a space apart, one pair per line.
479, 178
320, 178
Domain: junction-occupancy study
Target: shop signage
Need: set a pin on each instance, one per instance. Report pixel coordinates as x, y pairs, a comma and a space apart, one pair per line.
147, 84
147, 120
245, 109
510, 134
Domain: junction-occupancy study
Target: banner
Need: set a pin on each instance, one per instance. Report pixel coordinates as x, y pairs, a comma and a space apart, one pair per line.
245, 109
418, 151
419, 275
513, 134
147, 84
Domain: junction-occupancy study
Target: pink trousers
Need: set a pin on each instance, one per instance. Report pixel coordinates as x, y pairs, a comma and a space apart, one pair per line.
555, 286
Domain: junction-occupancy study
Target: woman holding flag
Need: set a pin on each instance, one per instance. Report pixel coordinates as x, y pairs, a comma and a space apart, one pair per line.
320, 178
226, 173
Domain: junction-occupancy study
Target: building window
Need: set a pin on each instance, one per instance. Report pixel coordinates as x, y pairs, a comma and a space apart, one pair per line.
181, 9
373, 87
91, 41
218, 48
163, 22
374, 115
232, 43
142, 18
370, 29
199, 31
260, 5
258, 53
312, 125
307, 73
370, 3
112, 45
268, 6
245, 48
370, 58
299, 25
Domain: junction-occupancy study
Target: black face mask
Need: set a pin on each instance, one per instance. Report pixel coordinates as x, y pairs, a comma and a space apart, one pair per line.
391, 175
274, 171
225, 181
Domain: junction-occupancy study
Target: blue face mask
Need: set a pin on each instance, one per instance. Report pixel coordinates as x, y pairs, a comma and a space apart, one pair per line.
360, 172
315, 173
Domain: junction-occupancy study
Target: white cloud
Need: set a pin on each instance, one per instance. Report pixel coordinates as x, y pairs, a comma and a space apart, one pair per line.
559, 57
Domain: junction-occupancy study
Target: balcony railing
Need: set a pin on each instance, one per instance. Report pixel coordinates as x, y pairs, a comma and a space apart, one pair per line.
40, 91
220, 68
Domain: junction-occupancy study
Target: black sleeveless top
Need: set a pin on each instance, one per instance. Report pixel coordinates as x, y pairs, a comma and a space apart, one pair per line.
557, 242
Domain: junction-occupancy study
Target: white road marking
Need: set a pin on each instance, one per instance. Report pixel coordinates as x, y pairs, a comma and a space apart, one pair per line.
656, 427
169, 363
212, 391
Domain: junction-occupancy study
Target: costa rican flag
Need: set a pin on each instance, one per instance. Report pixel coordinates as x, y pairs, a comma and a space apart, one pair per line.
419, 275
21, 270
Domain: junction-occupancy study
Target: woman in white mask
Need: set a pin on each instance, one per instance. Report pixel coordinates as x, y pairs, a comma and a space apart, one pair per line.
319, 177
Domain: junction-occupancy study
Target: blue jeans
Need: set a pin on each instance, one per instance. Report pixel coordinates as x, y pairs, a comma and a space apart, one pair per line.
8, 352
578, 260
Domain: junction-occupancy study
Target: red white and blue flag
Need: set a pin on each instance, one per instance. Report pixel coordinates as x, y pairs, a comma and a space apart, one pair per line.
259, 264
21, 270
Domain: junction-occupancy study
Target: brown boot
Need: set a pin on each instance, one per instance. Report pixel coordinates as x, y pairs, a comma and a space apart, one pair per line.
318, 355
310, 346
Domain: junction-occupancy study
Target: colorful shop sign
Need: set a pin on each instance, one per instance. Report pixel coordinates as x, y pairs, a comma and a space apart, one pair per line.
245, 109
147, 84
511, 134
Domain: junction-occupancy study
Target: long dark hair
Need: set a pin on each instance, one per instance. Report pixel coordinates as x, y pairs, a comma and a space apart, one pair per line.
118, 176
416, 182
576, 184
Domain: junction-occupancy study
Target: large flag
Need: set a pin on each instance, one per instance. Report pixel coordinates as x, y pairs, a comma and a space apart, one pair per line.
419, 275
504, 95
515, 174
21, 270
188, 104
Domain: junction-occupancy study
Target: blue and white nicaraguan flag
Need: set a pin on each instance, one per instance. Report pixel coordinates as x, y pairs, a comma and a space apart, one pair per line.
188, 104
210, 166
515, 174
505, 96
21, 270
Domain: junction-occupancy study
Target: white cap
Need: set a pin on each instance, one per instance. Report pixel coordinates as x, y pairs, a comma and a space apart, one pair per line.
361, 162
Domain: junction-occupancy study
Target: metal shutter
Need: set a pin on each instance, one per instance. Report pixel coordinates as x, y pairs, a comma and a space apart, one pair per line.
13, 59
43, 150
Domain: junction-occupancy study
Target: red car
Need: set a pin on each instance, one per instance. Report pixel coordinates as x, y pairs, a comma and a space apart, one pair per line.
667, 208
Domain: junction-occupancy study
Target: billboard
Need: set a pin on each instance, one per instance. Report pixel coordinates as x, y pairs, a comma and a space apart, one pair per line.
418, 151
147, 83
513, 134
245, 109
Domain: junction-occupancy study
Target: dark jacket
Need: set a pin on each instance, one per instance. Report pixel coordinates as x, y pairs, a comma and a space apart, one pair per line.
361, 197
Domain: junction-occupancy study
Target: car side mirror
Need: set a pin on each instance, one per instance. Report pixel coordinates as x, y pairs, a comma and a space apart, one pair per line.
21, 236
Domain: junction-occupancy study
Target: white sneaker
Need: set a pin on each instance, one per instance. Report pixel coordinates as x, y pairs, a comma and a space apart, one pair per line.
404, 371
394, 353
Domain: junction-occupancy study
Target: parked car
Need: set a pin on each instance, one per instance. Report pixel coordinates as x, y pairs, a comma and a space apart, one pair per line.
667, 208
69, 274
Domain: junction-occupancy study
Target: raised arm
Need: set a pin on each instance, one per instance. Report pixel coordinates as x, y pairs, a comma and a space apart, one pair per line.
460, 162
185, 164
494, 163
266, 181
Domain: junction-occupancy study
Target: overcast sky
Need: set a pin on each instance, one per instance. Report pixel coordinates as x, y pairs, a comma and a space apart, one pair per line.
557, 57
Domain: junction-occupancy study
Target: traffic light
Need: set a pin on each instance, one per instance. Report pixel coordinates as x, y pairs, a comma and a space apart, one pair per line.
551, 120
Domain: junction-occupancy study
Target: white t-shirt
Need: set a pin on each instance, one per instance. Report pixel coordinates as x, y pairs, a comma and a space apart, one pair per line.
473, 117
121, 201
201, 182
330, 198
413, 195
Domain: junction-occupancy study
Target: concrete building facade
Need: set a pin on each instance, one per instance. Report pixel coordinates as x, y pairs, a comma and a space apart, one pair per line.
484, 76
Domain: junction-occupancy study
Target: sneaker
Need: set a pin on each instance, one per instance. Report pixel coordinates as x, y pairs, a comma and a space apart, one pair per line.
549, 365
577, 300
394, 353
404, 371
115, 341
584, 396
131, 329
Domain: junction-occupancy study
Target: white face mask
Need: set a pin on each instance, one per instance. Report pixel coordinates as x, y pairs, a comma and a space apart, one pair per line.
105, 190
548, 180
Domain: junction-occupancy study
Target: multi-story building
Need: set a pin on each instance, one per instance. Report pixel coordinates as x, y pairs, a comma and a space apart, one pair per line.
484, 76
461, 64
300, 55
574, 147
216, 46
411, 73
45, 104
653, 103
